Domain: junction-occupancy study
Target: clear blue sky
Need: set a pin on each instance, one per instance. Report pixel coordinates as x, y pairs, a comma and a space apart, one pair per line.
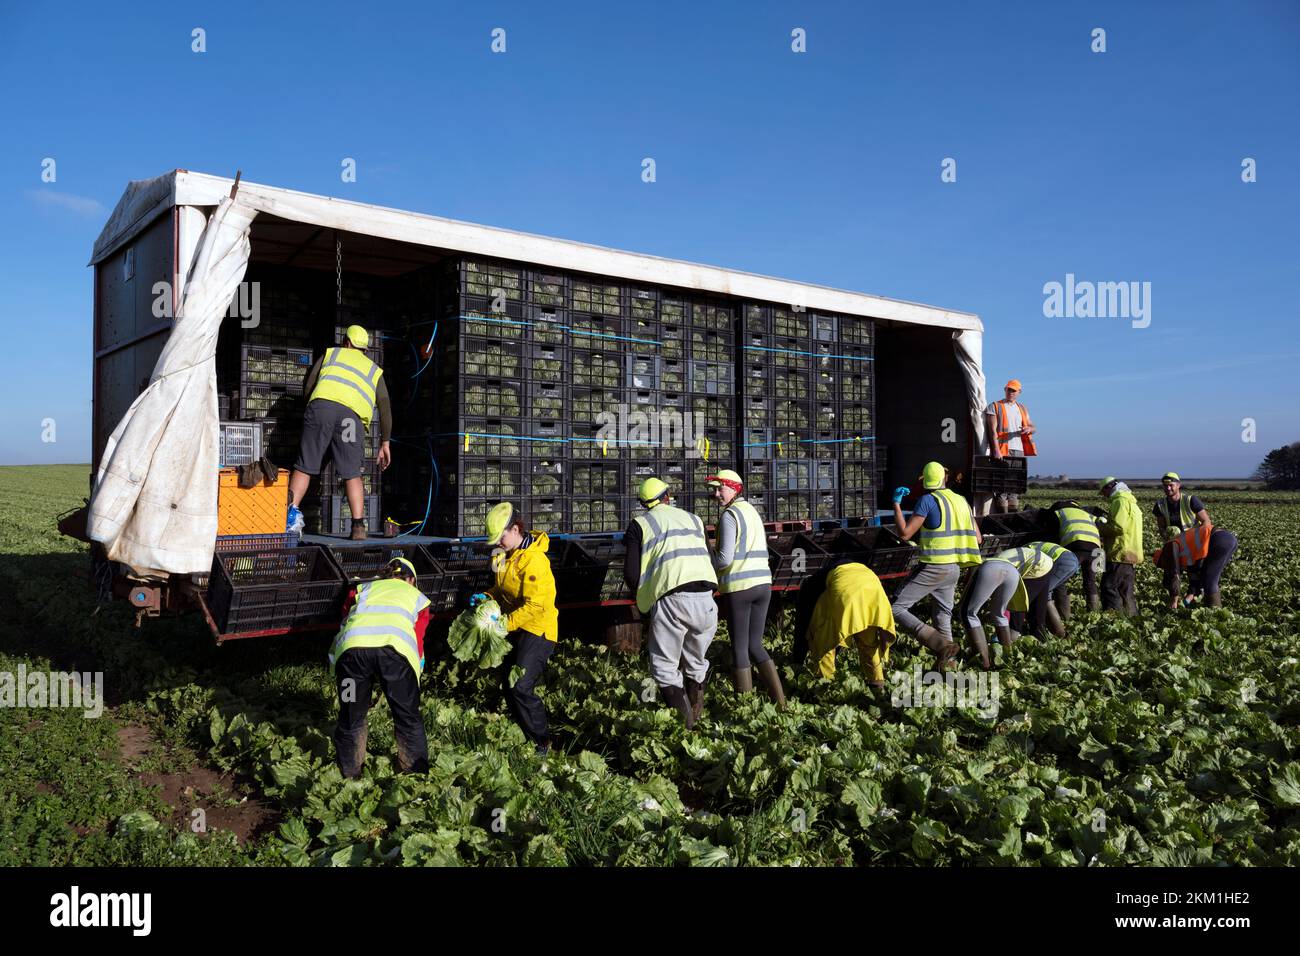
822, 166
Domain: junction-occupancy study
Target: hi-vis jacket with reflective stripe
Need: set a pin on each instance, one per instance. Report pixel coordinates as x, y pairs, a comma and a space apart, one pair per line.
674, 552
349, 378
384, 616
1030, 556
1186, 516
953, 542
525, 588
749, 567
1077, 526
1004, 433
1189, 547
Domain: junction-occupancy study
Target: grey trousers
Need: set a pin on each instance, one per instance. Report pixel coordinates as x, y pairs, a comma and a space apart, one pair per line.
938, 581
682, 626
995, 582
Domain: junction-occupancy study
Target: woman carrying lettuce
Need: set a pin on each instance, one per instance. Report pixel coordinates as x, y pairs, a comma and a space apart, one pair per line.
525, 589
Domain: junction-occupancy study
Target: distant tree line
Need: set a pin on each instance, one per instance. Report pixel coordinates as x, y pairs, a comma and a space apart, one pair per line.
1280, 469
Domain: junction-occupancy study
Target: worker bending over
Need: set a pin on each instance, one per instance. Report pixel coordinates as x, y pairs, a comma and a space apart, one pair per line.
344, 390
525, 589
949, 541
1061, 566
1121, 531
382, 641
999, 585
1076, 530
669, 570
745, 583
841, 604
1202, 552
1009, 430
1176, 512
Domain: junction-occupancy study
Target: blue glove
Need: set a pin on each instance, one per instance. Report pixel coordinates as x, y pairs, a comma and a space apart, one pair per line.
476, 599
900, 493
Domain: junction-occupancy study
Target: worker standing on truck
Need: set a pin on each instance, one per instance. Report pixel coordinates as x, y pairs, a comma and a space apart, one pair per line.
1076, 529
382, 641
745, 583
344, 390
668, 568
839, 604
1176, 512
1010, 433
950, 541
1121, 531
1000, 585
525, 589
1202, 551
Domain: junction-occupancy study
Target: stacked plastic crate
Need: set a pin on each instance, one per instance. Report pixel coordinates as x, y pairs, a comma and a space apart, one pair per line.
853, 360
710, 432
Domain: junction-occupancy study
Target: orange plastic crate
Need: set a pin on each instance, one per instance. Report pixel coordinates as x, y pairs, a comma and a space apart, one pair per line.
262, 509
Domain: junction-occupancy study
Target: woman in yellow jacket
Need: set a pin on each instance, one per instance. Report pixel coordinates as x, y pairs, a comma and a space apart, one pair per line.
842, 604
525, 589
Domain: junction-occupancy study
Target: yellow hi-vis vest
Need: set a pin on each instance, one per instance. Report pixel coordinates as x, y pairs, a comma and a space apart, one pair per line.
674, 552
349, 378
749, 567
953, 542
383, 616
1077, 526
1031, 561
1186, 517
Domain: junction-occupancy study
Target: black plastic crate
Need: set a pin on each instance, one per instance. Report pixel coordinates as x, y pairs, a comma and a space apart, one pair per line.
712, 378
857, 418
855, 330
464, 515
589, 441
756, 443
859, 447
607, 554
546, 438
857, 473
858, 502
597, 368
826, 415
793, 474
672, 340
490, 280
757, 475
596, 477
599, 332
477, 317
498, 478
597, 513
826, 386
755, 412
332, 484
789, 505
266, 365
790, 323
793, 556
713, 316
487, 357
755, 376
825, 505
578, 576
545, 477
548, 289
791, 443
546, 362
489, 437
824, 443
367, 563
270, 401
791, 414
466, 570
548, 513
247, 543
825, 328
483, 397
991, 475
546, 324
673, 375
856, 386
642, 305
587, 403
547, 400
855, 358
643, 369
594, 296
268, 590
878, 547
756, 320
336, 516
716, 446
712, 345
713, 412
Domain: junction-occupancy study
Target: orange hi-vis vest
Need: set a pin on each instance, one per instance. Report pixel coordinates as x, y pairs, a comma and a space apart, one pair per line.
1190, 546
1004, 434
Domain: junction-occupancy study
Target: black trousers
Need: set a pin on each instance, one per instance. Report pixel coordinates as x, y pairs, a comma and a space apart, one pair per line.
1205, 578
1117, 589
1083, 551
357, 671
531, 653
1035, 621
746, 615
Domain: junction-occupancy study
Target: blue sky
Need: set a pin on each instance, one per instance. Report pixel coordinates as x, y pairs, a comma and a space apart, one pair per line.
822, 166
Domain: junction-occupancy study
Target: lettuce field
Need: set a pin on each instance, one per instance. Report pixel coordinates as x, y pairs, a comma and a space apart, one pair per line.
1167, 739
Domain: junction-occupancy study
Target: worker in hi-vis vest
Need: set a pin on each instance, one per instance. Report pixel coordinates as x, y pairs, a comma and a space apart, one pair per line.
344, 392
745, 583
1062, 564
1121, 533
382, 642
949, 541
1202, 552
669, 570
1176, 512
1076, 529
1010, 435
999, 586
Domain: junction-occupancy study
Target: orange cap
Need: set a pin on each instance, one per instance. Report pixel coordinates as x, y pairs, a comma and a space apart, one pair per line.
1014, 383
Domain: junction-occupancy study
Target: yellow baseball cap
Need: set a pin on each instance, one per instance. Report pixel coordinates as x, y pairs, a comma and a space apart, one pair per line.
358, 336
1171, 476
498, 520
407, 566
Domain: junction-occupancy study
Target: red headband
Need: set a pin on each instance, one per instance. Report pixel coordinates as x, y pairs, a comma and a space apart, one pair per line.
735, 486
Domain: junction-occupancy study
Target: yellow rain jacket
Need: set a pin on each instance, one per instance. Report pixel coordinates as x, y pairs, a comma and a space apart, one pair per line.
525, 589
1123, 532
855, 607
